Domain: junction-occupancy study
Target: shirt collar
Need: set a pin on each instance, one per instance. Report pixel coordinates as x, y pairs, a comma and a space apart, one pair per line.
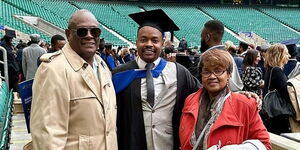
142, 64
217, 46
73, 58
95, 63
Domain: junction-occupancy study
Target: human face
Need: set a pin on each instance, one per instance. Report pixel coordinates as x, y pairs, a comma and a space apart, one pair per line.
59, 44
257, 59
149, 43
214, 83
286, 56
84, 46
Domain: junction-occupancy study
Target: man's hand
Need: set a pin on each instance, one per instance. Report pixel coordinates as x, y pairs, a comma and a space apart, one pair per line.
251, 94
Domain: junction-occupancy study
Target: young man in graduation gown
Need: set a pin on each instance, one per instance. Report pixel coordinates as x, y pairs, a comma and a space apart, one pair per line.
150, 100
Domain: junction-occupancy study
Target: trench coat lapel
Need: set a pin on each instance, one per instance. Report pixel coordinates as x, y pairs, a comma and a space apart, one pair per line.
91, 80
86, 71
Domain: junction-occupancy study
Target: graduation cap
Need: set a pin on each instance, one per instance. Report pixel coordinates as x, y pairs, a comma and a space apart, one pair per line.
291, 46
10, 33
290, 42
108, 45
157, 19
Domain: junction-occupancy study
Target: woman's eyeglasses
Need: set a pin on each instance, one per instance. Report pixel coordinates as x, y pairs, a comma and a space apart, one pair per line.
215, 72
82, 32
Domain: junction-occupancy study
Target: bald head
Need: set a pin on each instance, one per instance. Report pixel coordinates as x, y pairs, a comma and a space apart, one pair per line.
83, 34
80, 15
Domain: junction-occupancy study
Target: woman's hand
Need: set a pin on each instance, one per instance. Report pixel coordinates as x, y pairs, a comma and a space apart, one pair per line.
251, 94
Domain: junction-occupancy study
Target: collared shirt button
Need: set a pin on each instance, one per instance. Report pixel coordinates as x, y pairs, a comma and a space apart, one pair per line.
153, 111
153, 126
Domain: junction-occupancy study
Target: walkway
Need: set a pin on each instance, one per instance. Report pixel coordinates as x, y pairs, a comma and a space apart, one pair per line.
19, 135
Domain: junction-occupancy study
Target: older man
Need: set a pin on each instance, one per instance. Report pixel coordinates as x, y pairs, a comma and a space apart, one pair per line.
73, 102
30, 55
151, 91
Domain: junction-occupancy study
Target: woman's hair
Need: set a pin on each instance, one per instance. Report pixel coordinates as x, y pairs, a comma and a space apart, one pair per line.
250, 57
216, 57
274, 55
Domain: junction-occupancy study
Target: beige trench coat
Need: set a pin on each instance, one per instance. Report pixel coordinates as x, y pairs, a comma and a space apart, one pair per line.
71, 109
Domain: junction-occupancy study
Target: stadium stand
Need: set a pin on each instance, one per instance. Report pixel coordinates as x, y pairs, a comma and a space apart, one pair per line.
265, 22
6, 108
52, 12
286, 15
190, 21
34, 9
243, 19
9, 11
111, 18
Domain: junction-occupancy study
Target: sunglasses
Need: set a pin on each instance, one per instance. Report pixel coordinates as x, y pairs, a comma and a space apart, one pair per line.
82, 32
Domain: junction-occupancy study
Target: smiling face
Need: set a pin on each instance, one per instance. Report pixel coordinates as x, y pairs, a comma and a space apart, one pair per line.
215, 70
214, 83
149, 43
257, 59
84, 46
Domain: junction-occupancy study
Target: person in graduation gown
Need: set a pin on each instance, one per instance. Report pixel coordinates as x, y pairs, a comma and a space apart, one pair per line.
147, 118
292, 68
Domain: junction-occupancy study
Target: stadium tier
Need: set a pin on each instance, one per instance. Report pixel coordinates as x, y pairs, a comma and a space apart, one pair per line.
34, 9
111, 18
61, 8
8, 11
290, 16
190, 21
6, 107
245, 19
271, 24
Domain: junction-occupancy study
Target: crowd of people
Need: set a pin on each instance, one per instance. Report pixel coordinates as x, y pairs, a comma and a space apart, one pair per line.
23, 58
89, 95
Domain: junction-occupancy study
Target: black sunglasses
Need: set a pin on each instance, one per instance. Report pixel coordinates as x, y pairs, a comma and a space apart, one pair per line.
82, 32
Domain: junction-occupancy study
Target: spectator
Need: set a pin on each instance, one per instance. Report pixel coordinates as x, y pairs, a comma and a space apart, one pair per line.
262, 49
30, 56
216, 118
252, 76
57, 43
132, 53
45, 46
211, 38
124, 55
276, 57
101, 46
21, 45
183, 44
291, 69
231, 48
106, 55
12, 64
243, 47
73, 102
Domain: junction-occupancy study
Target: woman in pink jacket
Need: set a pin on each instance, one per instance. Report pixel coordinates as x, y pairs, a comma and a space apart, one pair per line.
216, 118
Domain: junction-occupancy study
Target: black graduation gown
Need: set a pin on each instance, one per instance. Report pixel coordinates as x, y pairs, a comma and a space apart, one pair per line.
130, 121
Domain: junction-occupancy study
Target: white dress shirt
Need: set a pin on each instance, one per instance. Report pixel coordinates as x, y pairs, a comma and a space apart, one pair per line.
158, 120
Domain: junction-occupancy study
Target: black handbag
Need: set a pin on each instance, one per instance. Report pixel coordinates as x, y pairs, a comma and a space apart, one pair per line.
274, 105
